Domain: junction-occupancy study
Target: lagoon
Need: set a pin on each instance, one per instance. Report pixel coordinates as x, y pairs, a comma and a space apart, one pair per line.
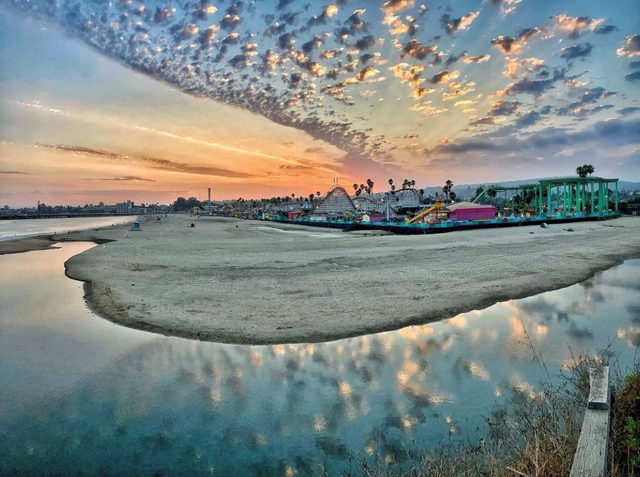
81, 395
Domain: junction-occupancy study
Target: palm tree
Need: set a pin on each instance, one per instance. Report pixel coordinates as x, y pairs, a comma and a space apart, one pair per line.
492, 193
293, 196
581, 172
452, 196
370, 185
448, 185
390, 182
589, 169
355, 186
318, 193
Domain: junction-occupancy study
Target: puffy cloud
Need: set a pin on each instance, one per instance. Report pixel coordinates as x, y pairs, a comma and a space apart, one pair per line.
453, 25
365, 42
230, 22
574, 26
476, 59
368, 72
533, 87
633, 77
393, 6
578, 51
415, 50
628, 110
504, 108
513, 66
605, 29
444, 76
528, 119
631, 47
507, 6
456, 90
510, 45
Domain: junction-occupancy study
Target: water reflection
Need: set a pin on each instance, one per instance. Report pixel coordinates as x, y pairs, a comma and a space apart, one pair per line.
174, 406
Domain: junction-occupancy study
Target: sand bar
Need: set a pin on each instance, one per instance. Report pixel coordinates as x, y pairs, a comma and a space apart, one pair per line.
252, 282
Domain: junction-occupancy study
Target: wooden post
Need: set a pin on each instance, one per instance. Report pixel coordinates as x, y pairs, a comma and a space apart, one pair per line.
590, 459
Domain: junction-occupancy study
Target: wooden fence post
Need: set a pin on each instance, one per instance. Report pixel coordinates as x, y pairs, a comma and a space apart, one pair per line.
590, 459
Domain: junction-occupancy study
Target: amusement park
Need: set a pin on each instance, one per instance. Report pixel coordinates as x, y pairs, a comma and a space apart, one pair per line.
408, 211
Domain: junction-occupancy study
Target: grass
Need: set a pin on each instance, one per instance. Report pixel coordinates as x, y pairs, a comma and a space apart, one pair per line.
625, 429
536, 435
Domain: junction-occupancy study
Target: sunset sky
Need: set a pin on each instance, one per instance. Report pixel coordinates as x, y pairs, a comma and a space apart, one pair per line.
149, 100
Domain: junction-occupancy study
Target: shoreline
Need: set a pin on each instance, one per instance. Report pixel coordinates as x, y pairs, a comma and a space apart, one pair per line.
244, 282
47, 240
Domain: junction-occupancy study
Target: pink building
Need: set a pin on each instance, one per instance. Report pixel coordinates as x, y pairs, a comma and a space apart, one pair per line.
373, 217
470, 211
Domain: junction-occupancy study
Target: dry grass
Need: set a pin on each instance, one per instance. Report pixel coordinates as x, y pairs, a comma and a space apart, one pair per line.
536, 435
625, 428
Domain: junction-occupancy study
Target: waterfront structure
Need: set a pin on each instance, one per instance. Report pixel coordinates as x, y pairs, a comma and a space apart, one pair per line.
564, 196
374, 217
471, 211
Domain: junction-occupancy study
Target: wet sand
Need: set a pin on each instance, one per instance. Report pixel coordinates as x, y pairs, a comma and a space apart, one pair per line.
253, 282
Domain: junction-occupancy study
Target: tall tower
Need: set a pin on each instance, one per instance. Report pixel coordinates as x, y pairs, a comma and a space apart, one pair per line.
209, 196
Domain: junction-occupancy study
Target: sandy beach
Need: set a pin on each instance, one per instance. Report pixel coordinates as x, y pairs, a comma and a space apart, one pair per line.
252, 282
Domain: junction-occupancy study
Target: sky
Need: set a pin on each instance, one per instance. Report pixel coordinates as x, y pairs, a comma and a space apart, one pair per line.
151, 100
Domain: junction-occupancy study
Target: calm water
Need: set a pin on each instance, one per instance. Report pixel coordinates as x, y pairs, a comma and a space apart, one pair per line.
12, 229
81, 395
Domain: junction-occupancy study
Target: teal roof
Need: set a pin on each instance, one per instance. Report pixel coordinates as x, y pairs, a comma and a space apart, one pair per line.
576, 179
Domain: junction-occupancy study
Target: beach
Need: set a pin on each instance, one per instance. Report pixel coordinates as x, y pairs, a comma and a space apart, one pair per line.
253, 282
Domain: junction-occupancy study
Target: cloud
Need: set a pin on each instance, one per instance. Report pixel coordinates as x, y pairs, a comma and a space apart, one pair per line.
528, 119
476, 59
578, 51
533, 87
365, 42
633, 77
631, 47
514, 46
605, 29
368, 72
628, 110
13, 173
393, 6
614, 131
415, 50
462, 23
575, 26
125, 179
151, 162
513, 66
444, 76
504, 108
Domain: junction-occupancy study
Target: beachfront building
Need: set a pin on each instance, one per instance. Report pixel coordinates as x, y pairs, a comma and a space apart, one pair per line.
470, 211
374, 217
561, 196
